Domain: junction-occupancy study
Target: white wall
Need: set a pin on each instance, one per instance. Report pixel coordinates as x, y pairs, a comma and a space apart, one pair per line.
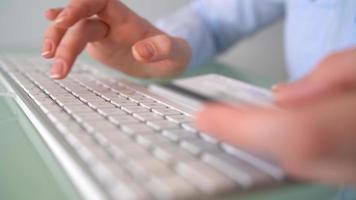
22, 26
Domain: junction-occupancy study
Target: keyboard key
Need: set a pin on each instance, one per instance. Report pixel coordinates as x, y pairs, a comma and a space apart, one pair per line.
68, 128
244, 174
116, 138
123, 119
133, 150
198, 146
270, 168
61, 117
135, 109
100, 126
87, 117
166, 111
86, 148
180, 118
126, 188
49, 108
78, 109
207, 179
148, 116
163, 124
208, 138
177, 135
172, 187
136, 128
145, 168
172, 154
151, 140
190, 126
111, 111
101, 105
151, 104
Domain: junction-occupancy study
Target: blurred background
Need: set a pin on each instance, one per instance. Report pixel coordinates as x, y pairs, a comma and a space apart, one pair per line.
22, 26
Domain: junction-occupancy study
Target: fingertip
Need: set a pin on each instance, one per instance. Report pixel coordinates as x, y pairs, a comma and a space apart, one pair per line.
59, 69
48, 49
202, 120
205, 118
46, 54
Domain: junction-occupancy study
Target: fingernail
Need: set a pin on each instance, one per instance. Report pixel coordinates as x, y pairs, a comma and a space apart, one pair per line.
145, 50
47, 48
58, 69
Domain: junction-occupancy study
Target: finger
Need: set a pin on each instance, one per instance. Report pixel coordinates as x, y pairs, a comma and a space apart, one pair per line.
278, 134
326, 171
161, 47
314, 137
52, 38
113, 12
51, 14
279, 87
73, 44
335, 73
166, 54
105, 9
78, 10
249, 127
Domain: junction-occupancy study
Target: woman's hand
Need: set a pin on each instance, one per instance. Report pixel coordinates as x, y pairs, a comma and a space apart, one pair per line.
314, 137
312, 142
114, 35
336, 73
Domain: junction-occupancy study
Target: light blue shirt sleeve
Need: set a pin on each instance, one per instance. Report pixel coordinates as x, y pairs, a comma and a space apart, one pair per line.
212, 26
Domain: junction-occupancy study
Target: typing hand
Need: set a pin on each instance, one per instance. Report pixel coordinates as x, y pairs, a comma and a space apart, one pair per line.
314, 137
315, 141
336, 73
114, 35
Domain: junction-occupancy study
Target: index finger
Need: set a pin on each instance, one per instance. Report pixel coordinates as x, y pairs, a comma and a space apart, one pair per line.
79, 9
323, 81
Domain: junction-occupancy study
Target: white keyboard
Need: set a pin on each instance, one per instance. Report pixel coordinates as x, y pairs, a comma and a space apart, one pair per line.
126, 143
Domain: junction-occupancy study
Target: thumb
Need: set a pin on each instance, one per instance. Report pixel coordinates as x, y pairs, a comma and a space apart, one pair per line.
162, 48
256, 129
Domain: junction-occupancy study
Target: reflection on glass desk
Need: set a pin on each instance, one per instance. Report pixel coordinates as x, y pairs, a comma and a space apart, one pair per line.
29, 171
